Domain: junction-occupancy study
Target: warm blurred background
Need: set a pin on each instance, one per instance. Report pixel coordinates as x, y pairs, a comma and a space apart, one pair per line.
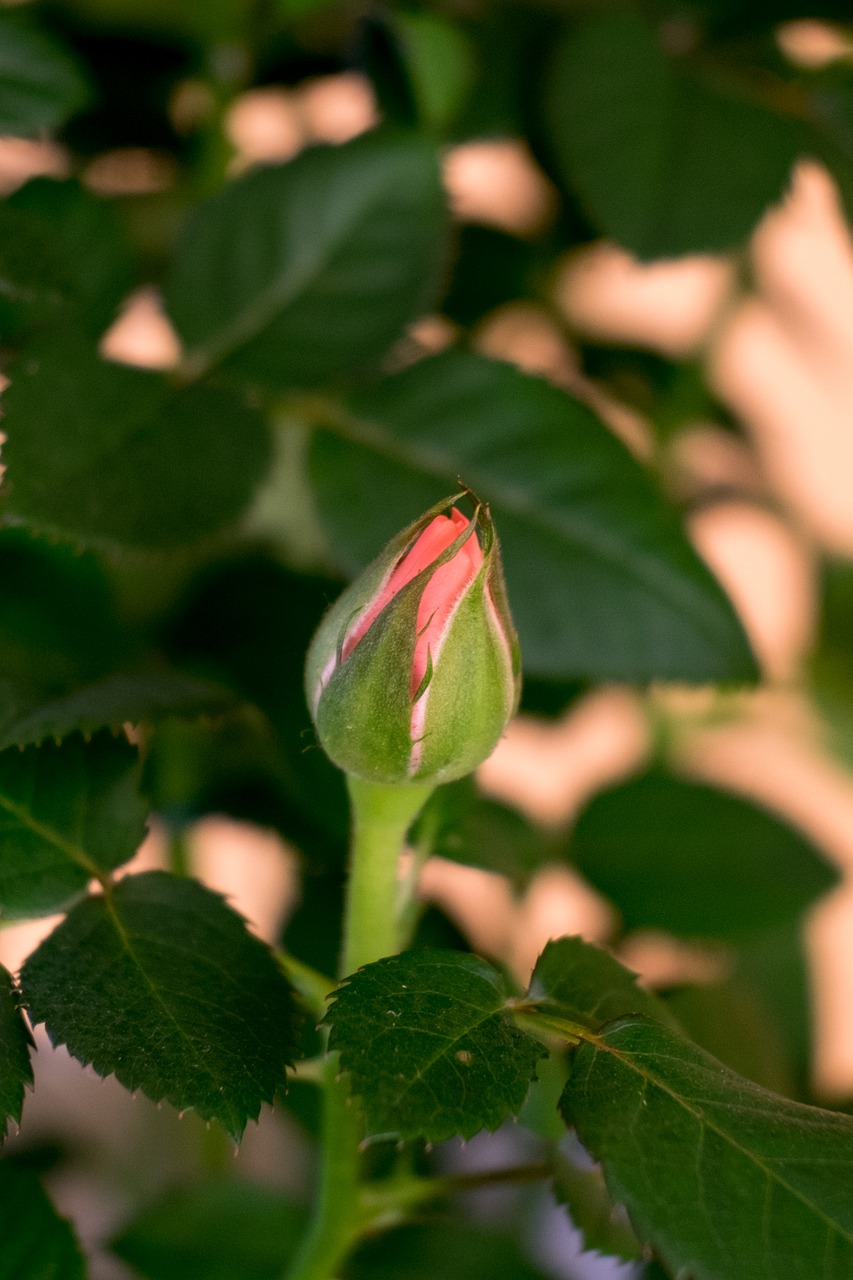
769, 487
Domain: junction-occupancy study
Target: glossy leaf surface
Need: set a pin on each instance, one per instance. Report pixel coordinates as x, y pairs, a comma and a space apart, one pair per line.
601, 579
310, 270
691, 859
164, 987
665, 163
430, 1046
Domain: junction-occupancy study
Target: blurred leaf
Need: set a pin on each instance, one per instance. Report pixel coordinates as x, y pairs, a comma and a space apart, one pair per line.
248, 622
451, 1251
701, 1157
460, 824
15, 1067
430, 1045
690, 859
40, 84
214, 1231
58, 622
665, 163
32, 282
774, 963
580, 983
306, 271
440, 62
37, 1243
129, 697
88, 240
581, 1188
105, 454
578, 518
162, 985
66, 813
730, 1020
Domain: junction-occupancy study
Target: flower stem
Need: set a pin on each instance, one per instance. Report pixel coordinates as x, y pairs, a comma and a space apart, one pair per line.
382, 814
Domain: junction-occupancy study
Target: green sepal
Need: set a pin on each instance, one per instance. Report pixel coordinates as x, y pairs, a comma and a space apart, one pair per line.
470, 697
364, 714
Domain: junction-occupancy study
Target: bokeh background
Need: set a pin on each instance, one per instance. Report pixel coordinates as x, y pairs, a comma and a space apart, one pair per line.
766, 474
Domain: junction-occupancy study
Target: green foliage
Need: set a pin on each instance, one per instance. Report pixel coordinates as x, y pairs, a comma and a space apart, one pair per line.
86, 248
310, 270
15, 1069
40, 85
67, 813
693, 860
130, 697
725, 1179
159, 983
430, 1046
37, 1243
214, 1231
107, 455
168, 546
577, 516
459, 824
579, 983
579, 1185
454, 1251
666, 161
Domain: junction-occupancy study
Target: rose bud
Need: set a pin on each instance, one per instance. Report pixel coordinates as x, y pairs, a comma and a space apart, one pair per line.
414, 672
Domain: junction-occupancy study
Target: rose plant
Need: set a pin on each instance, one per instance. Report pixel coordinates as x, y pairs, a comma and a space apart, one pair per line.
197, 618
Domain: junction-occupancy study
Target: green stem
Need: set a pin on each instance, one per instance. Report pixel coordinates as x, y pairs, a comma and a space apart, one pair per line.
337, 1221
382, 814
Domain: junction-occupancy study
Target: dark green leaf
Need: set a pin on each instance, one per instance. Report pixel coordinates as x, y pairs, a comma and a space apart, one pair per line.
579, 1185
310, 270
726, 1180
105, 454
439, 61
37, 1243
132, 697
449, 1251
216, 1231
58, 623
87, 238
15, 1068
163, 986
33, 289
664, 163
583, 984
601, 579
690, 859
248, 622
40, 85
66, 813
460, 824
430, 1045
